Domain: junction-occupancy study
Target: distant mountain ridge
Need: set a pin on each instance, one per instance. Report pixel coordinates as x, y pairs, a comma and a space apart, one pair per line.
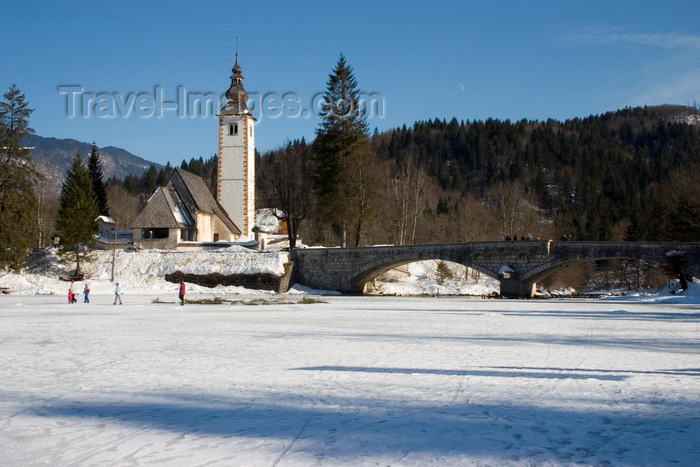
53, 157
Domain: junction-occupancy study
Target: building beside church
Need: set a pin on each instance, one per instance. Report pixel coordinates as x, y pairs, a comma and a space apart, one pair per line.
183, 211
235, 188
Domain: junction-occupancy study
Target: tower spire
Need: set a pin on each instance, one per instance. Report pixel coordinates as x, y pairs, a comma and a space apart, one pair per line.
236, 95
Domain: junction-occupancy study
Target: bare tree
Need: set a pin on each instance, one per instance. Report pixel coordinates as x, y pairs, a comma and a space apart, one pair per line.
506, 199
475, 221
123, 206
285, 179
407, 183
361, 191
47, 206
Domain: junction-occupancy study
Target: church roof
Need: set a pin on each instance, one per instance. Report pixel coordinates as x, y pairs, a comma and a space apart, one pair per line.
164, 210
175, 206
237, 70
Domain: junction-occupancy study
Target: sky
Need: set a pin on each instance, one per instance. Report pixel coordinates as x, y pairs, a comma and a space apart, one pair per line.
129, 74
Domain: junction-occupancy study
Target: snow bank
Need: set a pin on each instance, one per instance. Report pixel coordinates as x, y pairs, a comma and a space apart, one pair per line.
141, 272
670, 294
423, 279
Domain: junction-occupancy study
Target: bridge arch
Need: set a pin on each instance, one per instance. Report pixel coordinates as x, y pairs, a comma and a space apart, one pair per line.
585, 252
375, 270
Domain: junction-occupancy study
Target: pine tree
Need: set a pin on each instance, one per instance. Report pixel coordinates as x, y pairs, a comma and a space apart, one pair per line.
340, 147
150, 179
685, 220
18, 203
633, 232
78, 209
98, 184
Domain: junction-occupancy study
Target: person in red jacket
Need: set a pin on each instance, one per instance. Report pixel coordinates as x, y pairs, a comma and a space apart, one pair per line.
182, 292
71, 293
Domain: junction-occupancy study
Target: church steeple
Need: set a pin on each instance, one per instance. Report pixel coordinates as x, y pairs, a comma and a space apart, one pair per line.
236, 162
236, 95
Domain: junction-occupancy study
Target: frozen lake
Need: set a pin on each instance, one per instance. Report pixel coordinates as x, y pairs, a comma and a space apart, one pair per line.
354, 381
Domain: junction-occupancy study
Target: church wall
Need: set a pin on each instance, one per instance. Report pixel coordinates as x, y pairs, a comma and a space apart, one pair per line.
204, 227
219, 229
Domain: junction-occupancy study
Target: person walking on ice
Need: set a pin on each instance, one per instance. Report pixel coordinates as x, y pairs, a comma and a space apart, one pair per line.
86, 293
118, 294
71, 293
182, 292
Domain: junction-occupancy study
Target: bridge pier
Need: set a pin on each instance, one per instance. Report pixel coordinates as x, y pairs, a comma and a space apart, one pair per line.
512, 287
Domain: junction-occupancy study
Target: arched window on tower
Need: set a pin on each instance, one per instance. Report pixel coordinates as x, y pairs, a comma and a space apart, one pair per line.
233, 129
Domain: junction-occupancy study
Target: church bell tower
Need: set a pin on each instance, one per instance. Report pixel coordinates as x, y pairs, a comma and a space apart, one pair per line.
235, 188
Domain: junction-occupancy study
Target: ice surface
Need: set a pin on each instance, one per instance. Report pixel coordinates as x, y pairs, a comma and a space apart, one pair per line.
354, 381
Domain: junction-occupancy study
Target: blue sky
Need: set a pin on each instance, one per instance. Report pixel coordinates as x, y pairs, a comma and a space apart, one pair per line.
471, 60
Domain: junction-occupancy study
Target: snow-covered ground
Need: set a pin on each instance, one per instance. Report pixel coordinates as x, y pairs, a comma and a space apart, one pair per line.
352, 381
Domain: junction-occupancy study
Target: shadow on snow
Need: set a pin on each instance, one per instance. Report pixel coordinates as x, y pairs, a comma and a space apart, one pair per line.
357, 428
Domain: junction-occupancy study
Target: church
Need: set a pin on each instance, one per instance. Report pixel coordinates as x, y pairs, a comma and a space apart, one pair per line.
184, 211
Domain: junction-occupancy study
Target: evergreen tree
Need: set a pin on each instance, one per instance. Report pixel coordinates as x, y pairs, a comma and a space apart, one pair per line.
18, 203
98, 184
685, 220
340, 146
164, 175
633, 233
77, 211
150, 179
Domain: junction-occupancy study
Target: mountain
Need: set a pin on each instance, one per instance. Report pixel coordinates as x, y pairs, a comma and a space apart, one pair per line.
53, 157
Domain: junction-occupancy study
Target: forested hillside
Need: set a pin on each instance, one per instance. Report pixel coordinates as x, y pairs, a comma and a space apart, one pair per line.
586, 175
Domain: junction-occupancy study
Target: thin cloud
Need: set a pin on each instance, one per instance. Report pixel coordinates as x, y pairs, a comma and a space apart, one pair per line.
672, 40
682, 89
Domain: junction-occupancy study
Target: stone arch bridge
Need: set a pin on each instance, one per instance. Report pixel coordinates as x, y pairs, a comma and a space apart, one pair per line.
517, 265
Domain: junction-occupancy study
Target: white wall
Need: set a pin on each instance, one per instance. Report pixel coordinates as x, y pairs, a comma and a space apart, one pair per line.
236, 184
